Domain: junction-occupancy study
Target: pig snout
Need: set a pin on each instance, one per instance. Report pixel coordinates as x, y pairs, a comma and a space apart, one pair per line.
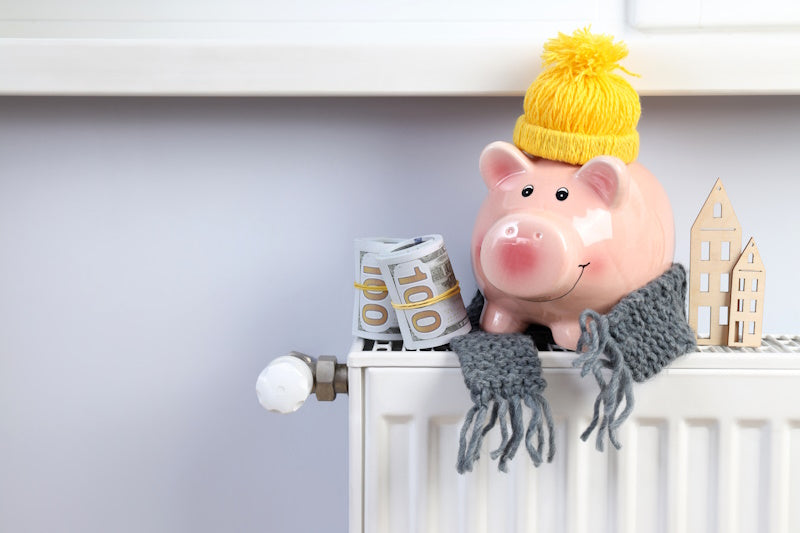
529, 256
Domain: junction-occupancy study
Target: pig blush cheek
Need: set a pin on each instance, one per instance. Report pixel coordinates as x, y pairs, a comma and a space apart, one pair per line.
596, 268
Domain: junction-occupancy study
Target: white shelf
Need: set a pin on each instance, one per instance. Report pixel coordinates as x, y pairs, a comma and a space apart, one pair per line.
354, 47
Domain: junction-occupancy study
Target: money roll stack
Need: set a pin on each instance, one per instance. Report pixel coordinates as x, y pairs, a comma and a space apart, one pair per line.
424, 303
373, 316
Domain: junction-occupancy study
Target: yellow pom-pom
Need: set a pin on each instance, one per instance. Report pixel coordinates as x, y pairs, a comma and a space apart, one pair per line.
584, 53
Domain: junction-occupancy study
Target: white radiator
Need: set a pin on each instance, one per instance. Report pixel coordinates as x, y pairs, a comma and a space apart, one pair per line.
712, 446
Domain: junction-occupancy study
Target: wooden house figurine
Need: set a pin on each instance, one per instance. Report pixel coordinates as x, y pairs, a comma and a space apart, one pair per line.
716, 239
726, 284
747, 298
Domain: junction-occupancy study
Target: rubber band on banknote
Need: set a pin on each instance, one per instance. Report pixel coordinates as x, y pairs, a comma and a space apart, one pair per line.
452, 291
370, 288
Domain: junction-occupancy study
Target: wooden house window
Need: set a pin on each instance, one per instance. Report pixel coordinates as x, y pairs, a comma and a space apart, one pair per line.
704, 322
725, 251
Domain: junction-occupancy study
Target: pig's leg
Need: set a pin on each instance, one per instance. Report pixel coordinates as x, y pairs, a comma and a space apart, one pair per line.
566, 333
495, 319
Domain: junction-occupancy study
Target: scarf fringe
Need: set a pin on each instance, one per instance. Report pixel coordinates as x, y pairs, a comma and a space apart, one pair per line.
508, 412
595, 343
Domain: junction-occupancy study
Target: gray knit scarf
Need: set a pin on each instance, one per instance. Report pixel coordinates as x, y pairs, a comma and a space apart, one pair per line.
641, 335
502, 372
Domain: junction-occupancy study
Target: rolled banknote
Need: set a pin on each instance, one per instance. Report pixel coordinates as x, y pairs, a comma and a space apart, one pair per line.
373, 314
424, 292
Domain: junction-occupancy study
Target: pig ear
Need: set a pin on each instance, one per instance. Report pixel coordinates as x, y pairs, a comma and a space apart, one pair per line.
500, 160
608, 177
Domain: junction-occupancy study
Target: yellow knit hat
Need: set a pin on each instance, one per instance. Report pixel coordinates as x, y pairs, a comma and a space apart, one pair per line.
578, 108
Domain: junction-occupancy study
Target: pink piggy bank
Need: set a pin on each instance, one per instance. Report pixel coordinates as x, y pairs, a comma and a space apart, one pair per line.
553, 239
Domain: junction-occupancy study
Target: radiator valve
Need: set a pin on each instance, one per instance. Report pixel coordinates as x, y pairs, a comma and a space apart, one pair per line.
287, 381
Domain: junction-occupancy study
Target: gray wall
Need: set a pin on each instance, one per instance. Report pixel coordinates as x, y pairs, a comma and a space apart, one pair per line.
158, 253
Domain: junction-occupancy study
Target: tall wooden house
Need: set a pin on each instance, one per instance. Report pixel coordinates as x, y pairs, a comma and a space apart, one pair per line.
716, 239
718, 268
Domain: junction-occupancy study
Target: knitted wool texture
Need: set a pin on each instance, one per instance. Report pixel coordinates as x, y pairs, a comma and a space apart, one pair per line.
502, 372
640, 336
578, 108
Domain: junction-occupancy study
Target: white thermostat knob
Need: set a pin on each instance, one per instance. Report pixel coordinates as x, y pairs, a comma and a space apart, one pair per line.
285, 384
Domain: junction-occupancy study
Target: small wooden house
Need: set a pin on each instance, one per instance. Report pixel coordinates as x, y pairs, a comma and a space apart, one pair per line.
747, 298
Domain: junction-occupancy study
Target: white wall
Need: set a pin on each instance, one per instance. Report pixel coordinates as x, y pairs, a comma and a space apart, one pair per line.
157, 253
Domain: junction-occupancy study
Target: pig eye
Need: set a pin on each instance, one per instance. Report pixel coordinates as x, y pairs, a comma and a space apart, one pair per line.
561, 194
527, 190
